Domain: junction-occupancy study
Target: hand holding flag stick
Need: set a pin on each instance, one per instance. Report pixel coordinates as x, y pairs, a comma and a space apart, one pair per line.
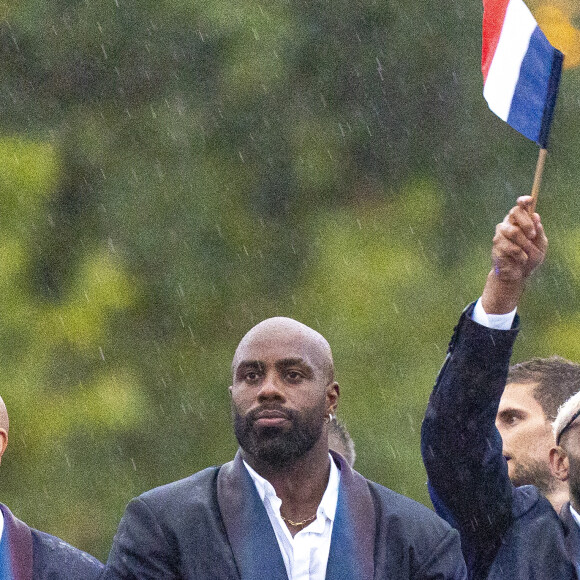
521, 74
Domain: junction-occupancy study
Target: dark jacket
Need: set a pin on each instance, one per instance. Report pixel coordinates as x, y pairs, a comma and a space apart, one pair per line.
506, 532
33, 555
571, 536
214, 525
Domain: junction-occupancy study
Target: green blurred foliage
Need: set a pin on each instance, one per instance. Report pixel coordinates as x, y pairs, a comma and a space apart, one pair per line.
173, 172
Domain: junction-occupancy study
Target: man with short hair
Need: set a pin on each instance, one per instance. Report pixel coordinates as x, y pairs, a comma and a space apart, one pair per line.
27, 554
535, 390
285, 508
565, 465
506, 531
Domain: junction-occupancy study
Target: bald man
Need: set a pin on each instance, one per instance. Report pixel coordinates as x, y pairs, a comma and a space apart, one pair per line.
27, 554
285, 508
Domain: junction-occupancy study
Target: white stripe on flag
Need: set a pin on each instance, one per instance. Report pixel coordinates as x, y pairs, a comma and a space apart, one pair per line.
518, 26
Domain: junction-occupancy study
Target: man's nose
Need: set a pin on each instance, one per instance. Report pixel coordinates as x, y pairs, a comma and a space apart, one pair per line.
271, 387
502, 433
499, 426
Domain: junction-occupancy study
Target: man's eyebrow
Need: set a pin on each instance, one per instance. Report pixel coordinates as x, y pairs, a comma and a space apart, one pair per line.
249, 364
289, 362
511, 411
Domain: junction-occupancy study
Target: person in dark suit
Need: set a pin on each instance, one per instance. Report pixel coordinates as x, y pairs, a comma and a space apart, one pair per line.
28, 554
506, 531
285, 507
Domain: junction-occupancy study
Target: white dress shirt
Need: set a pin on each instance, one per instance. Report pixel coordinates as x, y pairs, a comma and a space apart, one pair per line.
496, 321
1, 524
306, 554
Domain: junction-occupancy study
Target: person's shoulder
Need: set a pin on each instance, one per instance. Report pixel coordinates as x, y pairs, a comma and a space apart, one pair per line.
530, 505
188, 503
55, 558
412, 513
535, 544
185, 485
409, 527
528, 498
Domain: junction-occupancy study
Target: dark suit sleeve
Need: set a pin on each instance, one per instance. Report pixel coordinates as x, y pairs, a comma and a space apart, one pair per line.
444, 561
141, 550
461, 447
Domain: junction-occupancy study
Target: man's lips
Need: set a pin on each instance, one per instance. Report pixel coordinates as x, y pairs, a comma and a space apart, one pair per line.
270, 418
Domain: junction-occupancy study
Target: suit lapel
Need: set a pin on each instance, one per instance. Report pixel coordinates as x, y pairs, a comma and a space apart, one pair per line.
248, 527
353, 534
572, 537
17, 538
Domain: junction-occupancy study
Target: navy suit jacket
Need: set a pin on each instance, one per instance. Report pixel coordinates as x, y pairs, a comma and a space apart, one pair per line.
571, 536
34, 555
214, 525
506, 532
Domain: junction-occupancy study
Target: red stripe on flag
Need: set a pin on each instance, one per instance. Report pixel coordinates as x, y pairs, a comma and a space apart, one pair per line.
493, 17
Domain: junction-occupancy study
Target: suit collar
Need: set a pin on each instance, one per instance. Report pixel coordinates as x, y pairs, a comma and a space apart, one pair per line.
524, 499
254, 543
17, 538
352, 547
248, 527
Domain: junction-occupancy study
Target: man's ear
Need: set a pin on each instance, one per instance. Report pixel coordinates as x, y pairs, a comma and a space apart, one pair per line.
230, 389
559, 463
332, 395
3, 442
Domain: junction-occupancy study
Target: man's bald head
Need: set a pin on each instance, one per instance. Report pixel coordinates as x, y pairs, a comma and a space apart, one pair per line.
283, 391
293, 335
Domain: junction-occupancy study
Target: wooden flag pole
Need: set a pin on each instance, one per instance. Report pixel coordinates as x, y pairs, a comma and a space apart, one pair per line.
538, 179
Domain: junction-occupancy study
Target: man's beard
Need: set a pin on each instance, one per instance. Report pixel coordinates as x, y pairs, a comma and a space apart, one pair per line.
279, 446
534, 473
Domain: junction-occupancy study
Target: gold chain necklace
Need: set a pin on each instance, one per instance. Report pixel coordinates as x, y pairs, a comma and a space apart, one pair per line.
298, 524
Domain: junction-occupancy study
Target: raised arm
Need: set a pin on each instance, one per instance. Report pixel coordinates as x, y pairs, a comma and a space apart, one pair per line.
461, 447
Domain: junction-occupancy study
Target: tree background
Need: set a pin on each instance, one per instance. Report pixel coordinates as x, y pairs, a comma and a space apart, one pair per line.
172, 172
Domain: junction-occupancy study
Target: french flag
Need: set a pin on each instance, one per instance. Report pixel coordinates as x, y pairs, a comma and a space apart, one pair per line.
521, 69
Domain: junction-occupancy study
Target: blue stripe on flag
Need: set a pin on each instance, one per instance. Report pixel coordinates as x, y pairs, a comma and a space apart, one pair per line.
535, 93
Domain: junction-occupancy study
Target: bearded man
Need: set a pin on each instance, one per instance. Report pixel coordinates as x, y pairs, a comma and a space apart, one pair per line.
285, 507
534, 392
